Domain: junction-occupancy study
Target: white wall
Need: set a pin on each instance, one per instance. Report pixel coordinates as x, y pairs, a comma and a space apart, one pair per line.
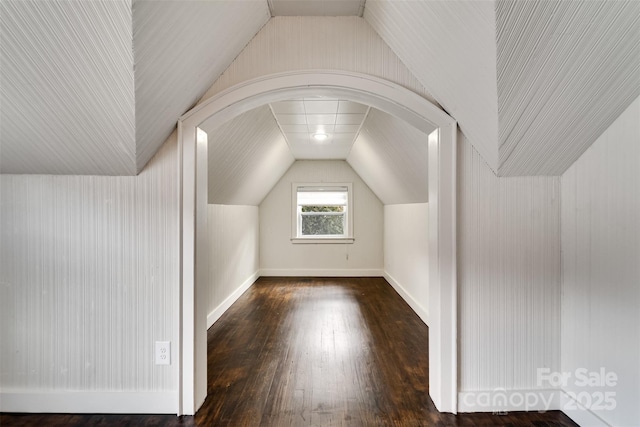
406, 254
508, 277
289, 43
601, 266
234, 255
279, 256
89, 281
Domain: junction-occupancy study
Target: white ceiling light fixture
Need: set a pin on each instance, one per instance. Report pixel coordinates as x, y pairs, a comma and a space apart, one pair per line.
320, 136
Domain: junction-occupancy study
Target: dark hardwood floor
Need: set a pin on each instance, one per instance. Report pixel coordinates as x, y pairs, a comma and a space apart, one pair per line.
313, 352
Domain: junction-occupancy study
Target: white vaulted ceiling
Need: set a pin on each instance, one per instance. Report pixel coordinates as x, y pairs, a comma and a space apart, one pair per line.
247, 157
95, 87
566, 70
300, 120
450, 47
391, 157
531, 83
66, 88
249, 154
316, 7
180, 48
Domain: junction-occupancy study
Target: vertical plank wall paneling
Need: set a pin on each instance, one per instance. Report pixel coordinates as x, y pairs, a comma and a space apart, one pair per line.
601, 265
280, 257
508, 275
234, 260
288, 43
89, 279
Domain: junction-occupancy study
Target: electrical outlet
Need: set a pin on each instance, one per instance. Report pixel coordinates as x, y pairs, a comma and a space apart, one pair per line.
163, 353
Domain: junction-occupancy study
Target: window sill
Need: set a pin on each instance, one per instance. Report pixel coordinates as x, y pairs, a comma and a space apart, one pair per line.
315, 240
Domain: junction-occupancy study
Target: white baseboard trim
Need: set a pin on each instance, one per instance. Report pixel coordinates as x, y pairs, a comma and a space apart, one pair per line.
321, 272
579, 414
422, 313
224, 305
88, 402
500, 400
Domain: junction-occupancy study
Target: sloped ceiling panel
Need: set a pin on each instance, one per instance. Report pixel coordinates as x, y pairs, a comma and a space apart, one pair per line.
450, 47
316, 7
66, 88
391, 157
180, 48
289, 43
566, 70
247, 157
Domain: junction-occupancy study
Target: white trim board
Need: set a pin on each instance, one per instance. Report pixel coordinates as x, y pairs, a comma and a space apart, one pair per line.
422, 312
228, 302
357, 87
84, 402
288, 272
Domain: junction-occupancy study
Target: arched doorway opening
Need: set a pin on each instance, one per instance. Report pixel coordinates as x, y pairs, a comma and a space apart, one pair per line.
378, 93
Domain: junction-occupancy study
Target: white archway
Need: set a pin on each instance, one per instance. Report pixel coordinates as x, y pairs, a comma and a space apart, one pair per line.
380, 94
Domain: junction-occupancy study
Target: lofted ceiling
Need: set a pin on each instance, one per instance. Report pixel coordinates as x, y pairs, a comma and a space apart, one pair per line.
531, 83
391, 157
96, 87
304, 122
316, 7
247, 157
249, 154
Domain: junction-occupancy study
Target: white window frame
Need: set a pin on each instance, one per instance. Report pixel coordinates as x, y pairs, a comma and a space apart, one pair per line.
296, 224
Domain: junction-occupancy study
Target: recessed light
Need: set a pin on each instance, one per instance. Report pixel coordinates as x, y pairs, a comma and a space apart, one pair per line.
319, 136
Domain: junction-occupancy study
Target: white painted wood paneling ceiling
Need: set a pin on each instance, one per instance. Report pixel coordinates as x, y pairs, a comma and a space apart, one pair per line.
93, 87
319, 128
316, 7
249, 154
531, 83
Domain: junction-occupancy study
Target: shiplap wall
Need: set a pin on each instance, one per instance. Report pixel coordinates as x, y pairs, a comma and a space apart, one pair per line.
233, 253
508, 275
278, 256
288, 43
406, 253
601, 265
89, 280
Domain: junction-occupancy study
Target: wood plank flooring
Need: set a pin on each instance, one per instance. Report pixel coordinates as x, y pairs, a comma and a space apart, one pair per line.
313, 352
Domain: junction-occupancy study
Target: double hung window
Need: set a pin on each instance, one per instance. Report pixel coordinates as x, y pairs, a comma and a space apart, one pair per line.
322, 212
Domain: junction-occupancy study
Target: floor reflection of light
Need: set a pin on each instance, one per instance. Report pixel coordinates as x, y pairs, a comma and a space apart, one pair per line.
332, 331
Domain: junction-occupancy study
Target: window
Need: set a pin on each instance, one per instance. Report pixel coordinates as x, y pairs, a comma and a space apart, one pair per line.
322, 213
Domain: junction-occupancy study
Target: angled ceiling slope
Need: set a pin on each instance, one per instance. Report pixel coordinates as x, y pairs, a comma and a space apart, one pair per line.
566, 70
450, 47
391, 156
247, 157
95, 88
316, 7
66, 88
531, 83
180, 49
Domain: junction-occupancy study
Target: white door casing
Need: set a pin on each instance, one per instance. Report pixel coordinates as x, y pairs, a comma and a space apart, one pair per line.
378, 93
